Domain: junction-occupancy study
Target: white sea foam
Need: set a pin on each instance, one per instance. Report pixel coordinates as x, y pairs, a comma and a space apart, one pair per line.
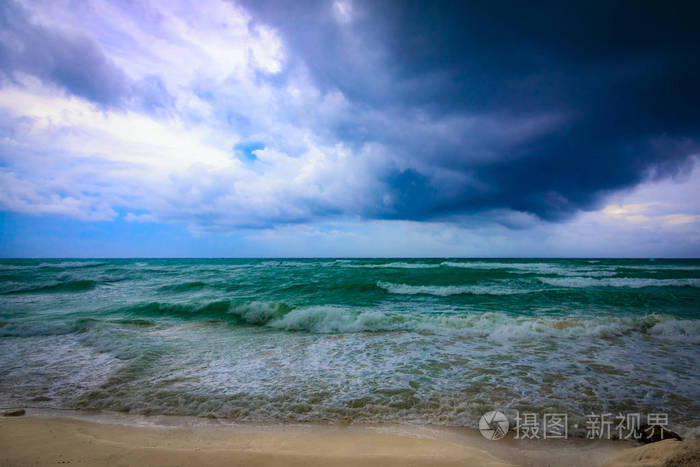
580, 273
677, 330
446, 290
658, 267
488, 265
628, 282
534, 268
334, 319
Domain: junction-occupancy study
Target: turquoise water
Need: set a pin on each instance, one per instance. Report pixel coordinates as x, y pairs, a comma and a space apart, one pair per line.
412, 341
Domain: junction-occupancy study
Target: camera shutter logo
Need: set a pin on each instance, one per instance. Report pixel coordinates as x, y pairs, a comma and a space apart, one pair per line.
493, 425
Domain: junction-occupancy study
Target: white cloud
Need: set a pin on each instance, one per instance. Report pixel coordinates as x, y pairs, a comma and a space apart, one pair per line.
180, 166
343, 11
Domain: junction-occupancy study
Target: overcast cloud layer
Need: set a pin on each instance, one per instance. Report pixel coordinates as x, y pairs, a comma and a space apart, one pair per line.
274, 120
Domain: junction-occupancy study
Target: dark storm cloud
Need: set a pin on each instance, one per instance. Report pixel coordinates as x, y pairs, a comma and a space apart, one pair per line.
70, 61
615, 82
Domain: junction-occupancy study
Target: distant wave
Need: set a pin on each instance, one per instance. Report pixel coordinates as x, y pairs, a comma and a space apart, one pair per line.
446, 290
58, 265
658, 267
72, 264
634, 283
15, 267
285, 263
533, 268
61, 287
395, 265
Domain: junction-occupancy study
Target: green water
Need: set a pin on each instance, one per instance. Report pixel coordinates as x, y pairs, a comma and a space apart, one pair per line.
411, 341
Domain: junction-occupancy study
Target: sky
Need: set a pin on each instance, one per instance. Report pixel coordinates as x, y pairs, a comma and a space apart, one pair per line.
349, 128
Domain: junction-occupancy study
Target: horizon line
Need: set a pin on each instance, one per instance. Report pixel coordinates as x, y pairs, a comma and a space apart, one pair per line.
647, 258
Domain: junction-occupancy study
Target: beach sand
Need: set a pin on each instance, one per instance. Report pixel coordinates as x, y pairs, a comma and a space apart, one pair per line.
43, 439
663, 453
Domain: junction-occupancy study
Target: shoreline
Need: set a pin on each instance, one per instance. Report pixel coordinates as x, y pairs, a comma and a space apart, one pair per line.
46, 437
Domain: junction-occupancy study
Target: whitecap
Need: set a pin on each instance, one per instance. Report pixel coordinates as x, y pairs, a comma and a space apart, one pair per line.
634, 283
396, 265
446, 290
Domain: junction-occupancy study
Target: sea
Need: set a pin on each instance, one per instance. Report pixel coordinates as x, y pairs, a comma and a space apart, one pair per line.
336, 341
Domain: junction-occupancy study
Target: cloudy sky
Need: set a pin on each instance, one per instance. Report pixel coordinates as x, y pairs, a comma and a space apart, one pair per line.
349, 128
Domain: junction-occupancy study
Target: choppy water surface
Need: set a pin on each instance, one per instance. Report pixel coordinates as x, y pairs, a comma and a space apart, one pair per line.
417, 341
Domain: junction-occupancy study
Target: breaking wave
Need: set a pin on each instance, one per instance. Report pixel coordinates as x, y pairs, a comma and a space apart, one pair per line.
331, 319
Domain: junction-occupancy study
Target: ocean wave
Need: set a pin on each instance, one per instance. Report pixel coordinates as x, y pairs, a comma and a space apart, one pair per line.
447, 290
72, 264
658, 267
15, 267
254, 313
495, 326
505, 329
634, 283
214, 309
183, 287
534, 268
678, 330
35, 329
394, 265
334, 319
58, 265
282, 263
322, 319
134, 322
285, 263
498, 328
579, 273
61, 287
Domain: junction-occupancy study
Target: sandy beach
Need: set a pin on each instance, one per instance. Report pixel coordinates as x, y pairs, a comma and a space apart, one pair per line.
43, 439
